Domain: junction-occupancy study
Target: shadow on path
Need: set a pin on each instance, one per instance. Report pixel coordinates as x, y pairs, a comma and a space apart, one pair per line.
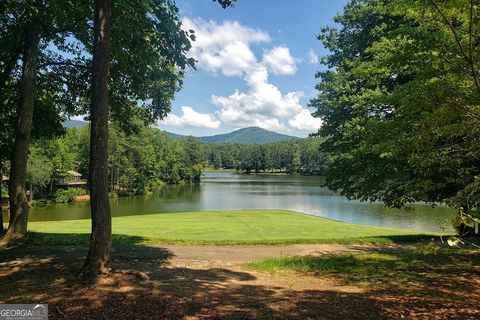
145, 285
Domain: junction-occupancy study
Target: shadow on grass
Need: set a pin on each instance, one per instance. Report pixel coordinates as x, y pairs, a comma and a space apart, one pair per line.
46, 274
53, 239
426, 264
75, 239
406, 238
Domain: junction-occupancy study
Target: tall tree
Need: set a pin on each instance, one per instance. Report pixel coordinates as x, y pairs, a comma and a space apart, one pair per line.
33, 26
18, 173
146, 66
6, 135
98, 257
400, 102
2, 229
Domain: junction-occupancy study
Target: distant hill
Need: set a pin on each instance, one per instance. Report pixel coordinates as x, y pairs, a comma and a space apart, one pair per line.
173, 135
250, 135
74, 124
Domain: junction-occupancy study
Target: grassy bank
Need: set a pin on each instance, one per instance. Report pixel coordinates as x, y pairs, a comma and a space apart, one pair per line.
221, 227
427, 263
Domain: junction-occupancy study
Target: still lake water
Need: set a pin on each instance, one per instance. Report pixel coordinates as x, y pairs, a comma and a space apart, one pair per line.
226, 191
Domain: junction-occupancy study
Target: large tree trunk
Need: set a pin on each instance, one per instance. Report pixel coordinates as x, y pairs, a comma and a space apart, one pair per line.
2, 230
18, 172
98, 257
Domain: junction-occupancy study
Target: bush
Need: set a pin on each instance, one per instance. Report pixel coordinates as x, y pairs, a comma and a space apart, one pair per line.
81, 192
153, 186
112, 194
427, 249
39, 203
66, 195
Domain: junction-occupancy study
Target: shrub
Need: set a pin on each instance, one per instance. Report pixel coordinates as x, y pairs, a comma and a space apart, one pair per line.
427, 249
153, 186
39, 203
113, 194
66, 195
81, 192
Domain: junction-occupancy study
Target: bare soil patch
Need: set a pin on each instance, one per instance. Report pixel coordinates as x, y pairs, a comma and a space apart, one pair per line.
85, 197
202, 282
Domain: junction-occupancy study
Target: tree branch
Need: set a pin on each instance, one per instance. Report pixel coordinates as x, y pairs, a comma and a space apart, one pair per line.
10, 65
54, 63
472, 61
468, 57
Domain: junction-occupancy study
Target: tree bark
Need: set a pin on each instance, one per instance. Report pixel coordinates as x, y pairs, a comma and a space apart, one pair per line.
2, 229
17, 185
98, 257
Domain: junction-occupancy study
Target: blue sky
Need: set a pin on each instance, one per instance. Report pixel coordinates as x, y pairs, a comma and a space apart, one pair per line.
256, 66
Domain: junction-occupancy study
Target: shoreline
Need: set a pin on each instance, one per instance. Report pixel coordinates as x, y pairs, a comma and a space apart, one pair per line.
227, 227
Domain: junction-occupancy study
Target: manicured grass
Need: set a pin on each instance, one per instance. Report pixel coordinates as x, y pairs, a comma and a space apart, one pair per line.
221, 227
383, 269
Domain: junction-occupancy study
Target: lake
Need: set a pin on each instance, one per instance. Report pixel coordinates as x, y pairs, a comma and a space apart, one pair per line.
224, 191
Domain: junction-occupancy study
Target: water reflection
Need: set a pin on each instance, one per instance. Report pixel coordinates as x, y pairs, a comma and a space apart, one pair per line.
224, 191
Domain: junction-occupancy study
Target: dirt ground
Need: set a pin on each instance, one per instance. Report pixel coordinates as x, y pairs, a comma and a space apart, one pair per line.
211, 282
85, 197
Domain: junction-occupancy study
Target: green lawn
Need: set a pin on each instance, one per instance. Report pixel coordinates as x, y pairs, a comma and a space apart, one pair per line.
221, 227
428, 263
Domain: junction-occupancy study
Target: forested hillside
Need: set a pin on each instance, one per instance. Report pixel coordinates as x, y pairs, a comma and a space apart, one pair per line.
302, 156
250, 135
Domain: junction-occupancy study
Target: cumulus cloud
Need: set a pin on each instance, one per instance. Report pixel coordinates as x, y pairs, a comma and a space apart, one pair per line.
312, 57
224, 47
78, 118
191, 118
265, 106
280, 61
305, 121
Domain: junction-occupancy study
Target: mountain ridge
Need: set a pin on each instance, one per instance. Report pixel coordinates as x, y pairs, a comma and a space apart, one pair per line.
248, 135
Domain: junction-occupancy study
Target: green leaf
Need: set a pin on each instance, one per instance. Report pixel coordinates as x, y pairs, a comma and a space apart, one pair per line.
457, 221
454, 241
468, 221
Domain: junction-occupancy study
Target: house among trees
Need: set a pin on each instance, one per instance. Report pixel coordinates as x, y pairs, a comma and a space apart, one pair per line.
72, 179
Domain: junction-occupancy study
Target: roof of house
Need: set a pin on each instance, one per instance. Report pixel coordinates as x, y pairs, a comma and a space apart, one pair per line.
74, 173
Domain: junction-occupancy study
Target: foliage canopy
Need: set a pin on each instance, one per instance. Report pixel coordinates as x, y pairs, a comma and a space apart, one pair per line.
400, 102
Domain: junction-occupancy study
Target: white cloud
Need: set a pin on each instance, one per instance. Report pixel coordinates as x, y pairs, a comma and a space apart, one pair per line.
280, 61
224, 47
305, 121
264, 106
191, 118
312, 57
78, 118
